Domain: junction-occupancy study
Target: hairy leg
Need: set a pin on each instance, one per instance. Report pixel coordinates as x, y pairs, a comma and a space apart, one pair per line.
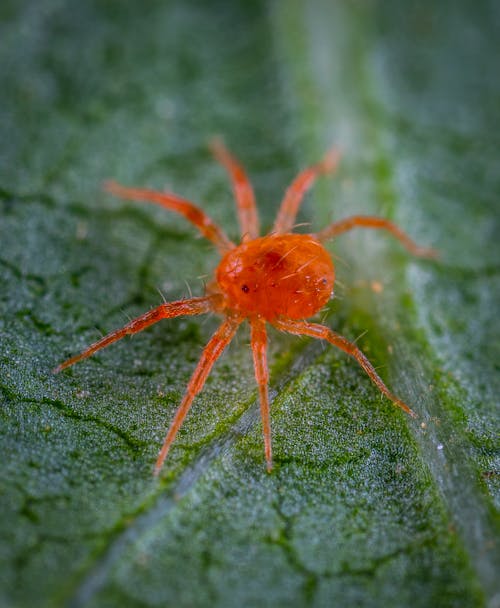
243, 192
211, 353
193, 306
303, 328
208, 228
259, 350
295, 193
367, 221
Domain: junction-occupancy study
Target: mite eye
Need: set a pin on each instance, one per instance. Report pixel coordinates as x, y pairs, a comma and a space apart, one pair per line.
245, 289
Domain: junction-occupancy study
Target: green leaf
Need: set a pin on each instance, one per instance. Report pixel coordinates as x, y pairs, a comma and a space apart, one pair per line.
365, 507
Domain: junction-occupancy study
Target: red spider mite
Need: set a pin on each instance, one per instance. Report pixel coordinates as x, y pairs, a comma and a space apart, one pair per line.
281, 278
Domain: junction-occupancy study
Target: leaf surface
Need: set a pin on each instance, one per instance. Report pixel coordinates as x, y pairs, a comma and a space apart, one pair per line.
365, 507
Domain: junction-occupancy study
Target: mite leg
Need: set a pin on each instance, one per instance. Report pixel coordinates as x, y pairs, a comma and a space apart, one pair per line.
325, 333
211, 353
208, 228
367, 221
193, 306
295, 193
243, 192
259, 350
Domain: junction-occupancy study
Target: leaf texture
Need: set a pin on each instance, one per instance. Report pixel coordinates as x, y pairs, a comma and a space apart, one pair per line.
365, 507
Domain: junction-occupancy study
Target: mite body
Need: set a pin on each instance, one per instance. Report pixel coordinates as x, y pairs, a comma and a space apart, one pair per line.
274, 276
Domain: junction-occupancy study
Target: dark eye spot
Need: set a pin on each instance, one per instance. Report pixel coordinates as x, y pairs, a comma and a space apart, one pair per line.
245, 289
324, 281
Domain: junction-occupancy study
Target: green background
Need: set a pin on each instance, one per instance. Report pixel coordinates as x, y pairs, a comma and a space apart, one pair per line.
365, 507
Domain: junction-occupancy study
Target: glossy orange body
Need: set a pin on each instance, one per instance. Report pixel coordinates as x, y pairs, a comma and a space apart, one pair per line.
288, 275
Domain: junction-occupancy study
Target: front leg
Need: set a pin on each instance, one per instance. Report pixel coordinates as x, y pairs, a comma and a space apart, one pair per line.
193, 306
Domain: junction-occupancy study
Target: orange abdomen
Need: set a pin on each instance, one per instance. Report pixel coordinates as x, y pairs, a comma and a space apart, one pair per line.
288, 275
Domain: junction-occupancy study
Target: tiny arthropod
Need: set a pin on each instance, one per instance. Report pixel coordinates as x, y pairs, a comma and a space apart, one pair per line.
282, 278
